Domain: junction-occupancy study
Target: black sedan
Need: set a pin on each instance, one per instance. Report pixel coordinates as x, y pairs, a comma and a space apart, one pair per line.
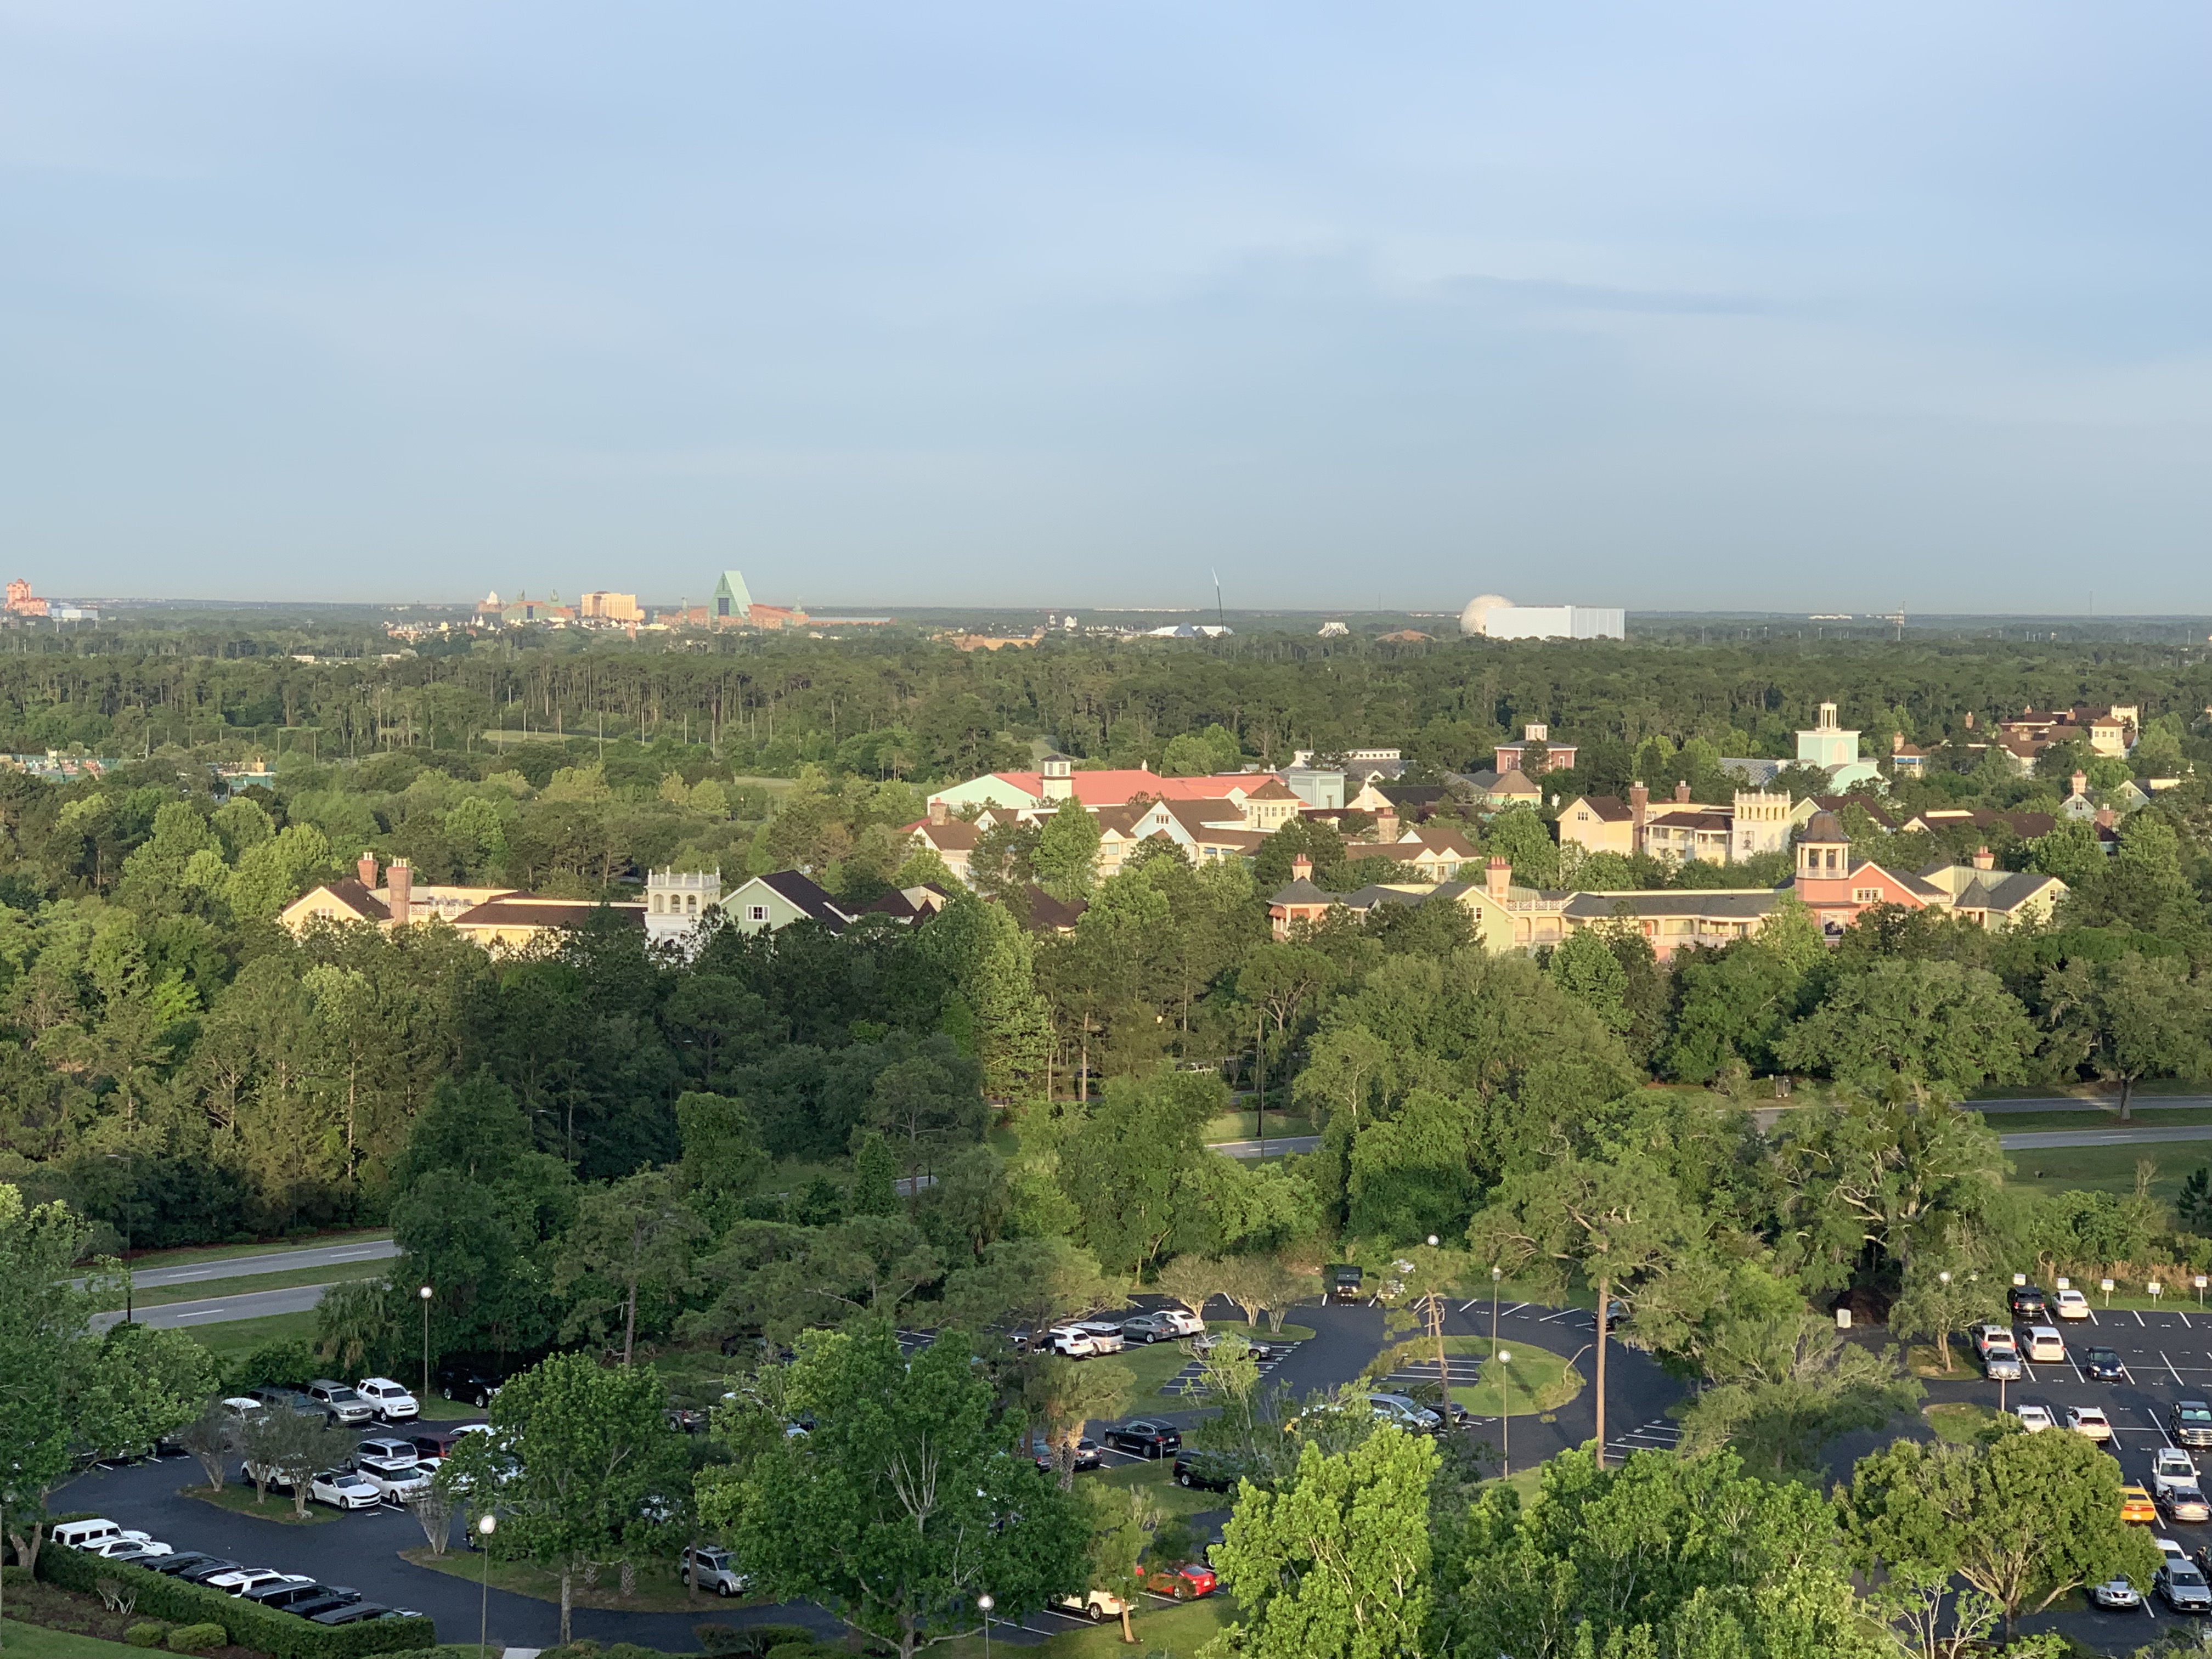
1146, 1437
2104, 1365
207, 1569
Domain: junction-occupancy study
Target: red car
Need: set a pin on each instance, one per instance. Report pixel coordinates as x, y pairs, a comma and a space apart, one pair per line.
1186, 1582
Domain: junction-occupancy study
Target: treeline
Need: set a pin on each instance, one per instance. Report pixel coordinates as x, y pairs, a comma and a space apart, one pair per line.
898, 706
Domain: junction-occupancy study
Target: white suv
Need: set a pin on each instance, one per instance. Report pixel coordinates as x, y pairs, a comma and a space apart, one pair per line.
1070, 1341
391, 1402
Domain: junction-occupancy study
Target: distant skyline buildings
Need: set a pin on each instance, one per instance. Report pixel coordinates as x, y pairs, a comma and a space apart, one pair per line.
1717, 307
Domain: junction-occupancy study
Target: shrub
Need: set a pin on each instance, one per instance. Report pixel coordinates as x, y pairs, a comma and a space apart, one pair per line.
266, 1630
749, 1641
145, 1636
197, 1638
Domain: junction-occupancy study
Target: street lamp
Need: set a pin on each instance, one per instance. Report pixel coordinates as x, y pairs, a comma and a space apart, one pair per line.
424, 1293
128, 1204
1505, 1416
486, 1525
984, 1604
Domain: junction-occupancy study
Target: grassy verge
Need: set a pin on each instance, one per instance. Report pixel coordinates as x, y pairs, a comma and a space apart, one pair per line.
1153, 1365
36, 1641
1172, 1630
238, 1500
1245, 1126
237, 1336
1157, 1476
158, 1296
1290, 1332
199, 1252
1534, 1380
1925, 1359
2108, 1169
658, 1589
1959, 1421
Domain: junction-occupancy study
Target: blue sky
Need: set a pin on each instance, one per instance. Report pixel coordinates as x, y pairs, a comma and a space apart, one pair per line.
1819, 306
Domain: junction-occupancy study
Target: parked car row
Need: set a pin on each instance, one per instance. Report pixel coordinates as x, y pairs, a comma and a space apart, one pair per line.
1087, 1338
294, 1593
373, 1400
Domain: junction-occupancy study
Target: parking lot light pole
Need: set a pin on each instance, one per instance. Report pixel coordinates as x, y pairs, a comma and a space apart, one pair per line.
983, 1605
1504, 1415
424, 1293
486, 1525
1496, 1273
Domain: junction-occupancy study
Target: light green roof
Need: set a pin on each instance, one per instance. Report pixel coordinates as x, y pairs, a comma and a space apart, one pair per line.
730, 597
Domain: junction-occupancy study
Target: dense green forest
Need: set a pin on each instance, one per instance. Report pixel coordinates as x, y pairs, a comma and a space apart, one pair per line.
594, 1146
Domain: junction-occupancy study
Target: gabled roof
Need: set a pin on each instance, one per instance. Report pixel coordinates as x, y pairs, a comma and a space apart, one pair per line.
522, 910
1116, 787
1517, 783
1274, 789
1050, 915
909, 904
2002, 890
1300, 890
1611, 809
953, 835
1837, 803
359, 900
803, 894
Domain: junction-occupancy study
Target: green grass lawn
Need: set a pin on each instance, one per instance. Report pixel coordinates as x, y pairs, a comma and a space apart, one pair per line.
1245, 1126
162, 1295
237, 1336
1289, 1331
2092, 1117
1534, 1380
199, 1253
1157, 1476
1178, 1631
239, 1501
1959, 1421
2109, 1169
36, 1641
658, 1589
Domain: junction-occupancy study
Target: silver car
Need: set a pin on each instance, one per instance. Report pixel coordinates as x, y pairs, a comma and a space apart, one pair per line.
1406, 1412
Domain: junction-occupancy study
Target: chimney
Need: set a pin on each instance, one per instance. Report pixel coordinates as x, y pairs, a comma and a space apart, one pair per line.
1386, 825
1970, 719
1497, 879
2106, 817
2081, 783
366, 869
1300, 867
1896, 741
940, 813
1682, 792
1639, 801
403, 880
1985, 859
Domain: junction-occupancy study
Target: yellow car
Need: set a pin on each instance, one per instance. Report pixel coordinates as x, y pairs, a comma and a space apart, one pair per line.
2136, 1506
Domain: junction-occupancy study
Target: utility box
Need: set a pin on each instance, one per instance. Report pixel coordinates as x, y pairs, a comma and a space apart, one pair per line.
1842, 1319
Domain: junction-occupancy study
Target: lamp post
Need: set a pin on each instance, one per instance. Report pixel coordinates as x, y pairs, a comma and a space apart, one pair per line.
128, 1204
424, 1296
1504, 1415
1944, 1280
983, 1605
486, 1525
1443, 1361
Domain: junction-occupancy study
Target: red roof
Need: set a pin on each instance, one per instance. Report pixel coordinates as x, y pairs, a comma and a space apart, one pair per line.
1117, 788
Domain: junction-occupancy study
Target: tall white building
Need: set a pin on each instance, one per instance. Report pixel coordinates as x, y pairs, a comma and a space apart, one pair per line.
1492, 618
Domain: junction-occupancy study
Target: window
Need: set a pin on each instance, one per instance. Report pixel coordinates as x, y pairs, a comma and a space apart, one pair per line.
755, 913
1866, 895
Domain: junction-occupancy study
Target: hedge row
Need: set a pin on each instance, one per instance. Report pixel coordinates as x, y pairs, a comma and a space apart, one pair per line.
266, 1630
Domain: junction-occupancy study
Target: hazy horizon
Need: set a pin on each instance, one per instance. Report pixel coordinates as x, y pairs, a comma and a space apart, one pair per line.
1836, 308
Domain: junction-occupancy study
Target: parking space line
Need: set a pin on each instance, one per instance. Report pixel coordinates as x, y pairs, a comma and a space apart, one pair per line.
1548, 1318
2029, 1369
2170, 1372
1464, 1306
2139, 1318
1516, 1308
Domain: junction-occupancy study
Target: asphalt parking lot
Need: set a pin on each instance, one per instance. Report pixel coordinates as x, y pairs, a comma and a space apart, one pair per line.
2168, 1357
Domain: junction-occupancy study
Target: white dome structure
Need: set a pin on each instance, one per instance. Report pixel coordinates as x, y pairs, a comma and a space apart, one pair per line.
1475, 619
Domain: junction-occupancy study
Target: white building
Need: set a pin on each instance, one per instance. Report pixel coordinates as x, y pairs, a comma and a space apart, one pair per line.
674, 901
1492, 618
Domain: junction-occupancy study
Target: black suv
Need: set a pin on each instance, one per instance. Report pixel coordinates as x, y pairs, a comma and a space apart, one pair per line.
1208, 1470
2104, 1365
468, 1381
1144, 1436
2027, 1305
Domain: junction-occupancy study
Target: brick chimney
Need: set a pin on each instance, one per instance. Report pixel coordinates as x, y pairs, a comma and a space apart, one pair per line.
1497, 879
1300, 867
2081, 783
1640, 803
2106, 817
1386, 825
1682, 792
1970, 719
940, 813
1985, 859
365, 867
402, 879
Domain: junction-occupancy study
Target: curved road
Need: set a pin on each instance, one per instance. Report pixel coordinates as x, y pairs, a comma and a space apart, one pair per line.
272, 1261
